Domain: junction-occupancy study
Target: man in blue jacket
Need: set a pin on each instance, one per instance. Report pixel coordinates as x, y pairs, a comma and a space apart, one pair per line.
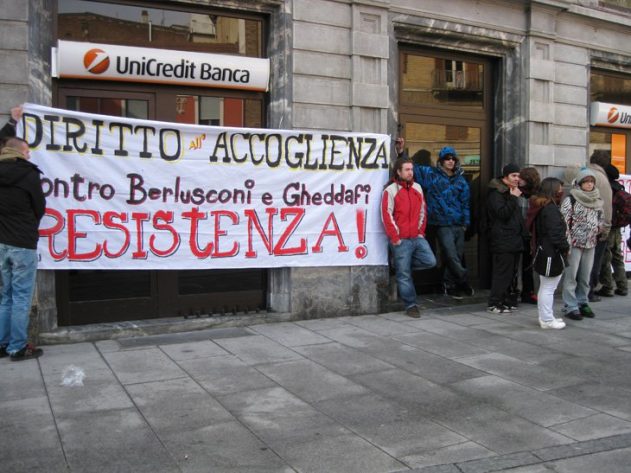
447, 194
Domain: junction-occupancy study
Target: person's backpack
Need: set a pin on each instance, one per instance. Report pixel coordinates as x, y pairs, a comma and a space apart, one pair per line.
621, 206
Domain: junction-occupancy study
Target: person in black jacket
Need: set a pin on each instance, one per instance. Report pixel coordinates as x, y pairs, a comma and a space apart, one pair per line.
548, 242
506, 231
22, 206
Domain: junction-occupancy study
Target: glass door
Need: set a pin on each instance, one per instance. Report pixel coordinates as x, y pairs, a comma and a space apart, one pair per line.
445, 99
424, 137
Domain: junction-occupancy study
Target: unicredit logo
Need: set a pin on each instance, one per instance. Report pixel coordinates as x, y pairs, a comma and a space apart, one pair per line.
96, 61
613, 115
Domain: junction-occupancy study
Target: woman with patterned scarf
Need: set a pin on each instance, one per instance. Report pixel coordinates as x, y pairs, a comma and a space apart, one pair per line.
583, 214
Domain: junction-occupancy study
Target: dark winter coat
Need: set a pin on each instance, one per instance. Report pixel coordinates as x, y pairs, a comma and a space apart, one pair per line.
447, 196
22, 202
506, 229
548, 225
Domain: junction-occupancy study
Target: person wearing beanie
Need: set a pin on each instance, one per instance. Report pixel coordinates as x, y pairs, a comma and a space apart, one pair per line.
448, 215
598, 162
583, 212
614, 282
506, 233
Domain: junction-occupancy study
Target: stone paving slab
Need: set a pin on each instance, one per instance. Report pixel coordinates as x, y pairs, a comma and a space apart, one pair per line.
531, 404
341, 359
141, 366
225, 375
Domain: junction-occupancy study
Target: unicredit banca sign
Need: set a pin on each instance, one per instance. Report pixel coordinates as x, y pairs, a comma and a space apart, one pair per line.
609, 114
78, 60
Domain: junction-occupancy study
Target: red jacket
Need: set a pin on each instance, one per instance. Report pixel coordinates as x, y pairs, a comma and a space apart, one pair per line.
403, 211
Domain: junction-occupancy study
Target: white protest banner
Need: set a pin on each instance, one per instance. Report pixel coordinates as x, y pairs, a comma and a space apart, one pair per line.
136, 194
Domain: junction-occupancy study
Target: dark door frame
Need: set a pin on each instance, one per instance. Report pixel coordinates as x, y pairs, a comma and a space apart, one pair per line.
461, 116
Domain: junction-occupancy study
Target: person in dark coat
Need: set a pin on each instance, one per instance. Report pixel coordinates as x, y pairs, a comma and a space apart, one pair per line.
549, 236
506, 231
529, 182
22, 206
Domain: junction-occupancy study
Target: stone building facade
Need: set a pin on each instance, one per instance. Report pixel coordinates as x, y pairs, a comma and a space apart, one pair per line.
342, 65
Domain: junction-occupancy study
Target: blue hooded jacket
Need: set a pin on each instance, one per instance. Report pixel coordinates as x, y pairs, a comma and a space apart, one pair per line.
447, 196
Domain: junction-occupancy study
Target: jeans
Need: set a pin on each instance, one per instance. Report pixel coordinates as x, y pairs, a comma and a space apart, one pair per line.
412, 254
451, 241
576, 277
545, 297
19, 268
613, 259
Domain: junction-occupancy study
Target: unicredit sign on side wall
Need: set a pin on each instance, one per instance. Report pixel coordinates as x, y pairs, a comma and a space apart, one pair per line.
609, 114
95, 61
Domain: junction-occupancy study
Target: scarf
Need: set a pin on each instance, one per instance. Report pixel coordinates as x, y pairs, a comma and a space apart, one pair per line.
10, 154
590, 199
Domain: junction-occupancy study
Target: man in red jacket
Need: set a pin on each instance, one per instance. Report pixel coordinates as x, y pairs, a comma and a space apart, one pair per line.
403, 213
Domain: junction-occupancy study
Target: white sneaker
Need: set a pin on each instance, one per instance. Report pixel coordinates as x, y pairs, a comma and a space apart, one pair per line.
555, 324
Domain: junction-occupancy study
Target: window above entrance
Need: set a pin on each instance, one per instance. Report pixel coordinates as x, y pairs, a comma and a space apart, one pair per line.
128, 25
429, 80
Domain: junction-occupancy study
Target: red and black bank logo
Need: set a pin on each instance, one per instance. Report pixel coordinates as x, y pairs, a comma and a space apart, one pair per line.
96, 61
613, 115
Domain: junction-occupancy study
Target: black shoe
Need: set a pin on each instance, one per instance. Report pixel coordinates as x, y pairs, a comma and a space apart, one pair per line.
621, 292
3, 351
592, 297
604, 292
574, 315
453, 293
586, 311
466, 289
498, 309
27, 353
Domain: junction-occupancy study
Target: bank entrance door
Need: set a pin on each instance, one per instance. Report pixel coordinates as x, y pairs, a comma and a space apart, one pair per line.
445, 100
93, 296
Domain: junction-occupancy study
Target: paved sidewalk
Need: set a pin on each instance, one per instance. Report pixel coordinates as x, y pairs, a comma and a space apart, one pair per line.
459, 390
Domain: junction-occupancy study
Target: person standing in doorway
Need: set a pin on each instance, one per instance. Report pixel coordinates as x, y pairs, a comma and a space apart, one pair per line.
505, 230
22, 206
448, 199
403, 215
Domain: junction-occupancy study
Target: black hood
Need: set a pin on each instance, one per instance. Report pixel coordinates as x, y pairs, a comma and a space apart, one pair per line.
13, 171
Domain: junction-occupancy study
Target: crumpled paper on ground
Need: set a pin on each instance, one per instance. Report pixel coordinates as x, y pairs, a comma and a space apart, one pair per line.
72, 376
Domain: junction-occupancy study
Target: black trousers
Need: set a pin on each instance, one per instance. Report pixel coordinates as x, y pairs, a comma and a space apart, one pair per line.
599, 252
503, 270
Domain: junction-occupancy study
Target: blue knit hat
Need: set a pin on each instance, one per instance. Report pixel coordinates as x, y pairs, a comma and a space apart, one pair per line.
583, 173
447, 151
